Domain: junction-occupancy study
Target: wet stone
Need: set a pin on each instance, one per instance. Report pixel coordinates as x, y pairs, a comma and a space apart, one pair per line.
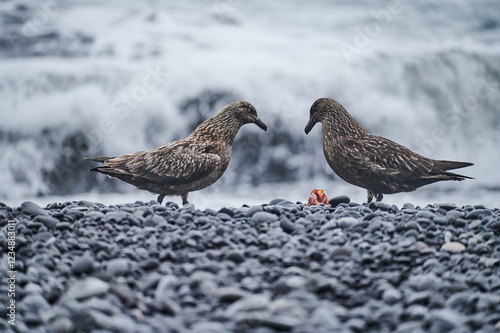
33, 209
346, 222
453, 247
252, 210
447, 206
235, 256
335, 201
382, 206
47, 221
340, 253
86, 288
287, 225
262, 217
43, 236
445, 320
276, 201
83, 265
391, 295
119, 266
478, 213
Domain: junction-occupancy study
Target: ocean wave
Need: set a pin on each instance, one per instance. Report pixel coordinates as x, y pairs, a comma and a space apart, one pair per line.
140, 76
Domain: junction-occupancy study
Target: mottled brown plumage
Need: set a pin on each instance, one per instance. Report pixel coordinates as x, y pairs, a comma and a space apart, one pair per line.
379, 165
186, 165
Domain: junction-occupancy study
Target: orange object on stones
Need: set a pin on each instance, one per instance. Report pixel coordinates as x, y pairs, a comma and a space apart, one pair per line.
317, 197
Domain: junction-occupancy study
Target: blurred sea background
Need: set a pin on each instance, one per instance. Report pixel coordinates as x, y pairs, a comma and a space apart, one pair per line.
93, 78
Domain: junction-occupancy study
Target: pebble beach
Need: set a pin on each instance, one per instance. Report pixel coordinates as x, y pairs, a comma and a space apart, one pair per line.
280, 266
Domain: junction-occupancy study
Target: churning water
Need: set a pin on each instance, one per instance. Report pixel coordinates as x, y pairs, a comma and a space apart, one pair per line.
86, 78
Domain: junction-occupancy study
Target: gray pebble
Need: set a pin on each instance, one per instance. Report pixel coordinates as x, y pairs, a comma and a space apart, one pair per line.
453, 247
335, 201
262, 217
62, 324
478, 213
346, 222
252, 210
82, 265
48, 221
391, 295
86, 288
33, 209
234, 256
445, 320
287, 225
43, 236
118, 266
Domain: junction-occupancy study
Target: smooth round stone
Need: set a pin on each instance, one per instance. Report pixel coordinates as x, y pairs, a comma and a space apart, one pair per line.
82, 265
262, 217
452, 215
224, 217
445, 320
453, 247
234, 256
252, 210
208, 327
34, 303
281, 323
153, 220
478, 213
33, 209
231, 294
408, 205
340, 253
460, 223
287, 225
118, 266
115, 216
86, 203
346, 222
447, 206
335, 201
286, 203
43, 236
276, 201
89, 287
382, 206
356, 325
424, 214
227, 211
493, 225
48, 221
440, 220
416, 312
391, 295
62, 325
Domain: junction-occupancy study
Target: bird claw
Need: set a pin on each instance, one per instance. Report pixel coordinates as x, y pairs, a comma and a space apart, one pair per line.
160, 198
370, 195
184, 199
